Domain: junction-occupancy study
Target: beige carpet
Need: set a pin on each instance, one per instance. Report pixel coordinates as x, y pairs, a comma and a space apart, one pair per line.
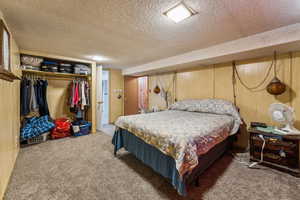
109, 129
85, 168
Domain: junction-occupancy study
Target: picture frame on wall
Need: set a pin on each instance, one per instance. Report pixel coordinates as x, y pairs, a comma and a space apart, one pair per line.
5, 54
5, 47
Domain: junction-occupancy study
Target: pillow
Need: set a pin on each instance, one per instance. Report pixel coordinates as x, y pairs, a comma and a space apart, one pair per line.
215, 106
181, 105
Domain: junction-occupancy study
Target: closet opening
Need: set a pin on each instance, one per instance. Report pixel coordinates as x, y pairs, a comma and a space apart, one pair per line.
56, 98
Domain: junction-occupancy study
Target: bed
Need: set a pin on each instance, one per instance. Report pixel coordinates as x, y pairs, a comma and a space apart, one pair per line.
181, 142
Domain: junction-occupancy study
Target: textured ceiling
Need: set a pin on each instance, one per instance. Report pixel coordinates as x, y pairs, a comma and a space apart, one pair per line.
134, 32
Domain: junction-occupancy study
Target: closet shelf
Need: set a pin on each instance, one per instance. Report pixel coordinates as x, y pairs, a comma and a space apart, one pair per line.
54, 74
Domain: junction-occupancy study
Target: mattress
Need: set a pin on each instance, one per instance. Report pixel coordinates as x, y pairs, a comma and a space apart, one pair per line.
164, 164
182, 135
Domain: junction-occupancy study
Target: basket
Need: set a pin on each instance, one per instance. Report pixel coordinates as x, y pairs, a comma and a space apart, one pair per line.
81, 129
38, 139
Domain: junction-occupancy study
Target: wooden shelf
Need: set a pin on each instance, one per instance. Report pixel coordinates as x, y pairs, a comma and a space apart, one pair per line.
8, 76
54, 74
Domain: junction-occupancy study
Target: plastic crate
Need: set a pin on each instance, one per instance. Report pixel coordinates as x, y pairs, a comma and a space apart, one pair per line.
81, 129
38, 139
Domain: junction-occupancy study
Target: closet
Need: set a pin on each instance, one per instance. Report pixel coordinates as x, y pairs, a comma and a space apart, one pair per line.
59, 83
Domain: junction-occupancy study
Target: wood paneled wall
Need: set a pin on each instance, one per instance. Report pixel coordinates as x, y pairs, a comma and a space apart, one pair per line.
216, 82
57, 97
116, 83
9, 121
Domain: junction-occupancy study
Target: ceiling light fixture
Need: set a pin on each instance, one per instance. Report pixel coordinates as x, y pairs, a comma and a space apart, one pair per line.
179, 12
98, 58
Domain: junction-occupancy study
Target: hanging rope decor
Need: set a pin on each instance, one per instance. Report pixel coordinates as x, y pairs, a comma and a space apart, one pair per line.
175, 87
165, 90
233, 82
253, 88
276, 87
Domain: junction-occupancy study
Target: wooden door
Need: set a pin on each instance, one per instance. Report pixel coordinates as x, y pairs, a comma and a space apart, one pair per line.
131, 95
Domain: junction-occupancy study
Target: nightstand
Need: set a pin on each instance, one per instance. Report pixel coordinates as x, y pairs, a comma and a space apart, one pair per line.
281, 151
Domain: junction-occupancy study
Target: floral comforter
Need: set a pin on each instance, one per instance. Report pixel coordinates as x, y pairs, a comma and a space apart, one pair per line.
182, 134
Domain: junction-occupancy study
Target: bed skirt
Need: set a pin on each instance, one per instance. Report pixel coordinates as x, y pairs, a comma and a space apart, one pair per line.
164, 164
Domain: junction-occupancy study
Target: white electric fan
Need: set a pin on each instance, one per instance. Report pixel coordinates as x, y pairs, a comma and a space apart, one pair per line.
284, 115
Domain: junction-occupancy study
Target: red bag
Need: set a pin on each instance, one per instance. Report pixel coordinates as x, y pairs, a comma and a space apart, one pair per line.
62, 128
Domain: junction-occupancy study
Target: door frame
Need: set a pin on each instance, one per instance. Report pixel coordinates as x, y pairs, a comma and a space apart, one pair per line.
109, 93
99, 97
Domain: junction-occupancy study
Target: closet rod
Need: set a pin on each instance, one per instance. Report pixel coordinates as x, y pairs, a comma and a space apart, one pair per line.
53, 77
56, 78
66, 79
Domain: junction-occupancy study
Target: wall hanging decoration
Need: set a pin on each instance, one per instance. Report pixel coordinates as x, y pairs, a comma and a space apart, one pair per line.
5, 41
5, 63
276, 87
118, 92
156, 90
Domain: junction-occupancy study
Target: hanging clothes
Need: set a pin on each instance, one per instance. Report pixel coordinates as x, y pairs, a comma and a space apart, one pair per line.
44, 96
87, 93
33, 101
25, 96
79, 97
83, 99
76, 95
39, 96
34, 97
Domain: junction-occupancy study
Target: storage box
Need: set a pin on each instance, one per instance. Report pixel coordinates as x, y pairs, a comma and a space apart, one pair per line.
82, 69
81, 128
66, 68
